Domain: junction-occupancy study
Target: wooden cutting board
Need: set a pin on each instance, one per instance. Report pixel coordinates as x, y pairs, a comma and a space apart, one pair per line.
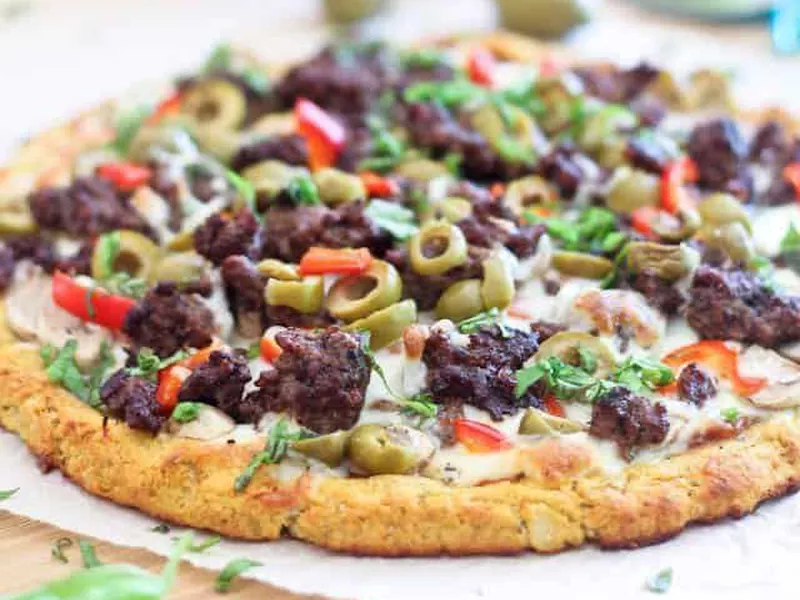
27, 562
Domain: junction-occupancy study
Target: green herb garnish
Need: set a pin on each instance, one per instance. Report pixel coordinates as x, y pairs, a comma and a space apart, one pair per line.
730, 415
59, 546
6, 494
791, 240
489, 317
303, 191
203, 545
64, 371
394, 218
161, 528
127, 126
587, 360
107, 251
186, 412
643, 375
88, 554
98, 373
426, 58
232, 570
244, 189
660, 582
254, 351
148, 363
277, 444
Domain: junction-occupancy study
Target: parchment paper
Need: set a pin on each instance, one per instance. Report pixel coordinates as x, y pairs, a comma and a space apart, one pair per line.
82, 51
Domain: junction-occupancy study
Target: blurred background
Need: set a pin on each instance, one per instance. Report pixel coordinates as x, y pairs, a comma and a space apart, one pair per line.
59, 56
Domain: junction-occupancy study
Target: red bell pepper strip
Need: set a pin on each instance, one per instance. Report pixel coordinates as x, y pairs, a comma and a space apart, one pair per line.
479, 437
675, 175
553, 406
642, 220
497, 189
791, 173
270, 350
324, 135
719, 358
481, 66
170, 381
171, 105
90, 304
125, 176
379, 187
338, 261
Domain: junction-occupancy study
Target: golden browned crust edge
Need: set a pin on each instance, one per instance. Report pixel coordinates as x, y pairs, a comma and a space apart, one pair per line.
561, 504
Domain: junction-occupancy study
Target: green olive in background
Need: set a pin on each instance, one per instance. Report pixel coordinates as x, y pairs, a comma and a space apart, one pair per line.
388, 450
632, 189
305, 296
497, 288
338, 187
558, 95
566, 344
579, 264
181, 241
167, 137
182, 267
605, 124
720, 209
514, 124
460, 301
672, 228
386, 325
215, 103
220, 143
137, 255
667, 89
539, 422
434, 234
529, 191
276, 269
422, 170
358, 296
666, 261
347, 11
269, 177
329, 448
732, 238
16, 222
709, 88
453, 210
542, 18
612, 153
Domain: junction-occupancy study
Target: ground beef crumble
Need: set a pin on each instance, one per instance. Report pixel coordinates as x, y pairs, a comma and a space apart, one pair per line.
220, 236
629, 420
133, 399
220, 382
696, 385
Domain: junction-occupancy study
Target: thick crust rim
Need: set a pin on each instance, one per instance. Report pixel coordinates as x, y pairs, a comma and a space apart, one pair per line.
562, 502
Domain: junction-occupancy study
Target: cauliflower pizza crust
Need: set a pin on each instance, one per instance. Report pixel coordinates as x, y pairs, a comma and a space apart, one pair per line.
560, 496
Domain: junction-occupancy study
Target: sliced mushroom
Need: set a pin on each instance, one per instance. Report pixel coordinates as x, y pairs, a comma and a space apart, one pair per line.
211, 423
612, 311
783, 377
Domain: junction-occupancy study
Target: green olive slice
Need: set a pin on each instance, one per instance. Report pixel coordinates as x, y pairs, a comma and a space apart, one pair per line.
338, 187
567, 345
181, 241
358, 296
305, 296
529, 191
632, 189
276, 269
720, 209
671, 228
432, 233
388, 450
732, 238
16, 222
460, 301
666, 261
454, 210
515, 125
215, 103
605, 124
137, 255
329, 448
182, 267
269, 177
497, 288
579, 264
539, 422
220, 143
386, 325
422, 170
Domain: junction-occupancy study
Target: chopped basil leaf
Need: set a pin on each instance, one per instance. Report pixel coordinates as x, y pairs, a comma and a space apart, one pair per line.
452, 161
244, 189
512, 151
59, 546
124, 284
730, 415
394, 218
98, 374
161, 528
613, 241
379, 164
232, 570
587, 360
254, 351
642, 375
274, 450
88, 554
148, 363
660, 582
64, 371
489, 317
186, 412
791, 240
303, 191
219, 59
48, 354
420, 405
425, 58
449, 93
106, 252
202, 546
6, 494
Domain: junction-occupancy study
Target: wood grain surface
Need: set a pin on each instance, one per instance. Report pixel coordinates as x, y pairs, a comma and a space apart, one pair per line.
27, 562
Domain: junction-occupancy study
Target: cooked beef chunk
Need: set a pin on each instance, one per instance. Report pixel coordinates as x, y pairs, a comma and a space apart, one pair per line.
650, 109
770, 144
661, 294
245, 289
426, 289
133, 400
320, 379
613, 84
166, 321
349, 227
695, 385
564, 166
291, 149
646, 154
720, 152
432, 127
220, 236
359, 146
7, 266
289, 317
291, 231
546, 329
220, 382
481, 373
780, 190
482, 230
87, 207
629, 420
738, 305
40, 251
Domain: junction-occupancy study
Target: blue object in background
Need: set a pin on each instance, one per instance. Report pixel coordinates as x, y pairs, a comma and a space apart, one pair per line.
786, 26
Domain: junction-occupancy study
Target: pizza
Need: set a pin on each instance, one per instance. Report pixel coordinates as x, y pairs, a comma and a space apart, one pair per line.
468, 297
